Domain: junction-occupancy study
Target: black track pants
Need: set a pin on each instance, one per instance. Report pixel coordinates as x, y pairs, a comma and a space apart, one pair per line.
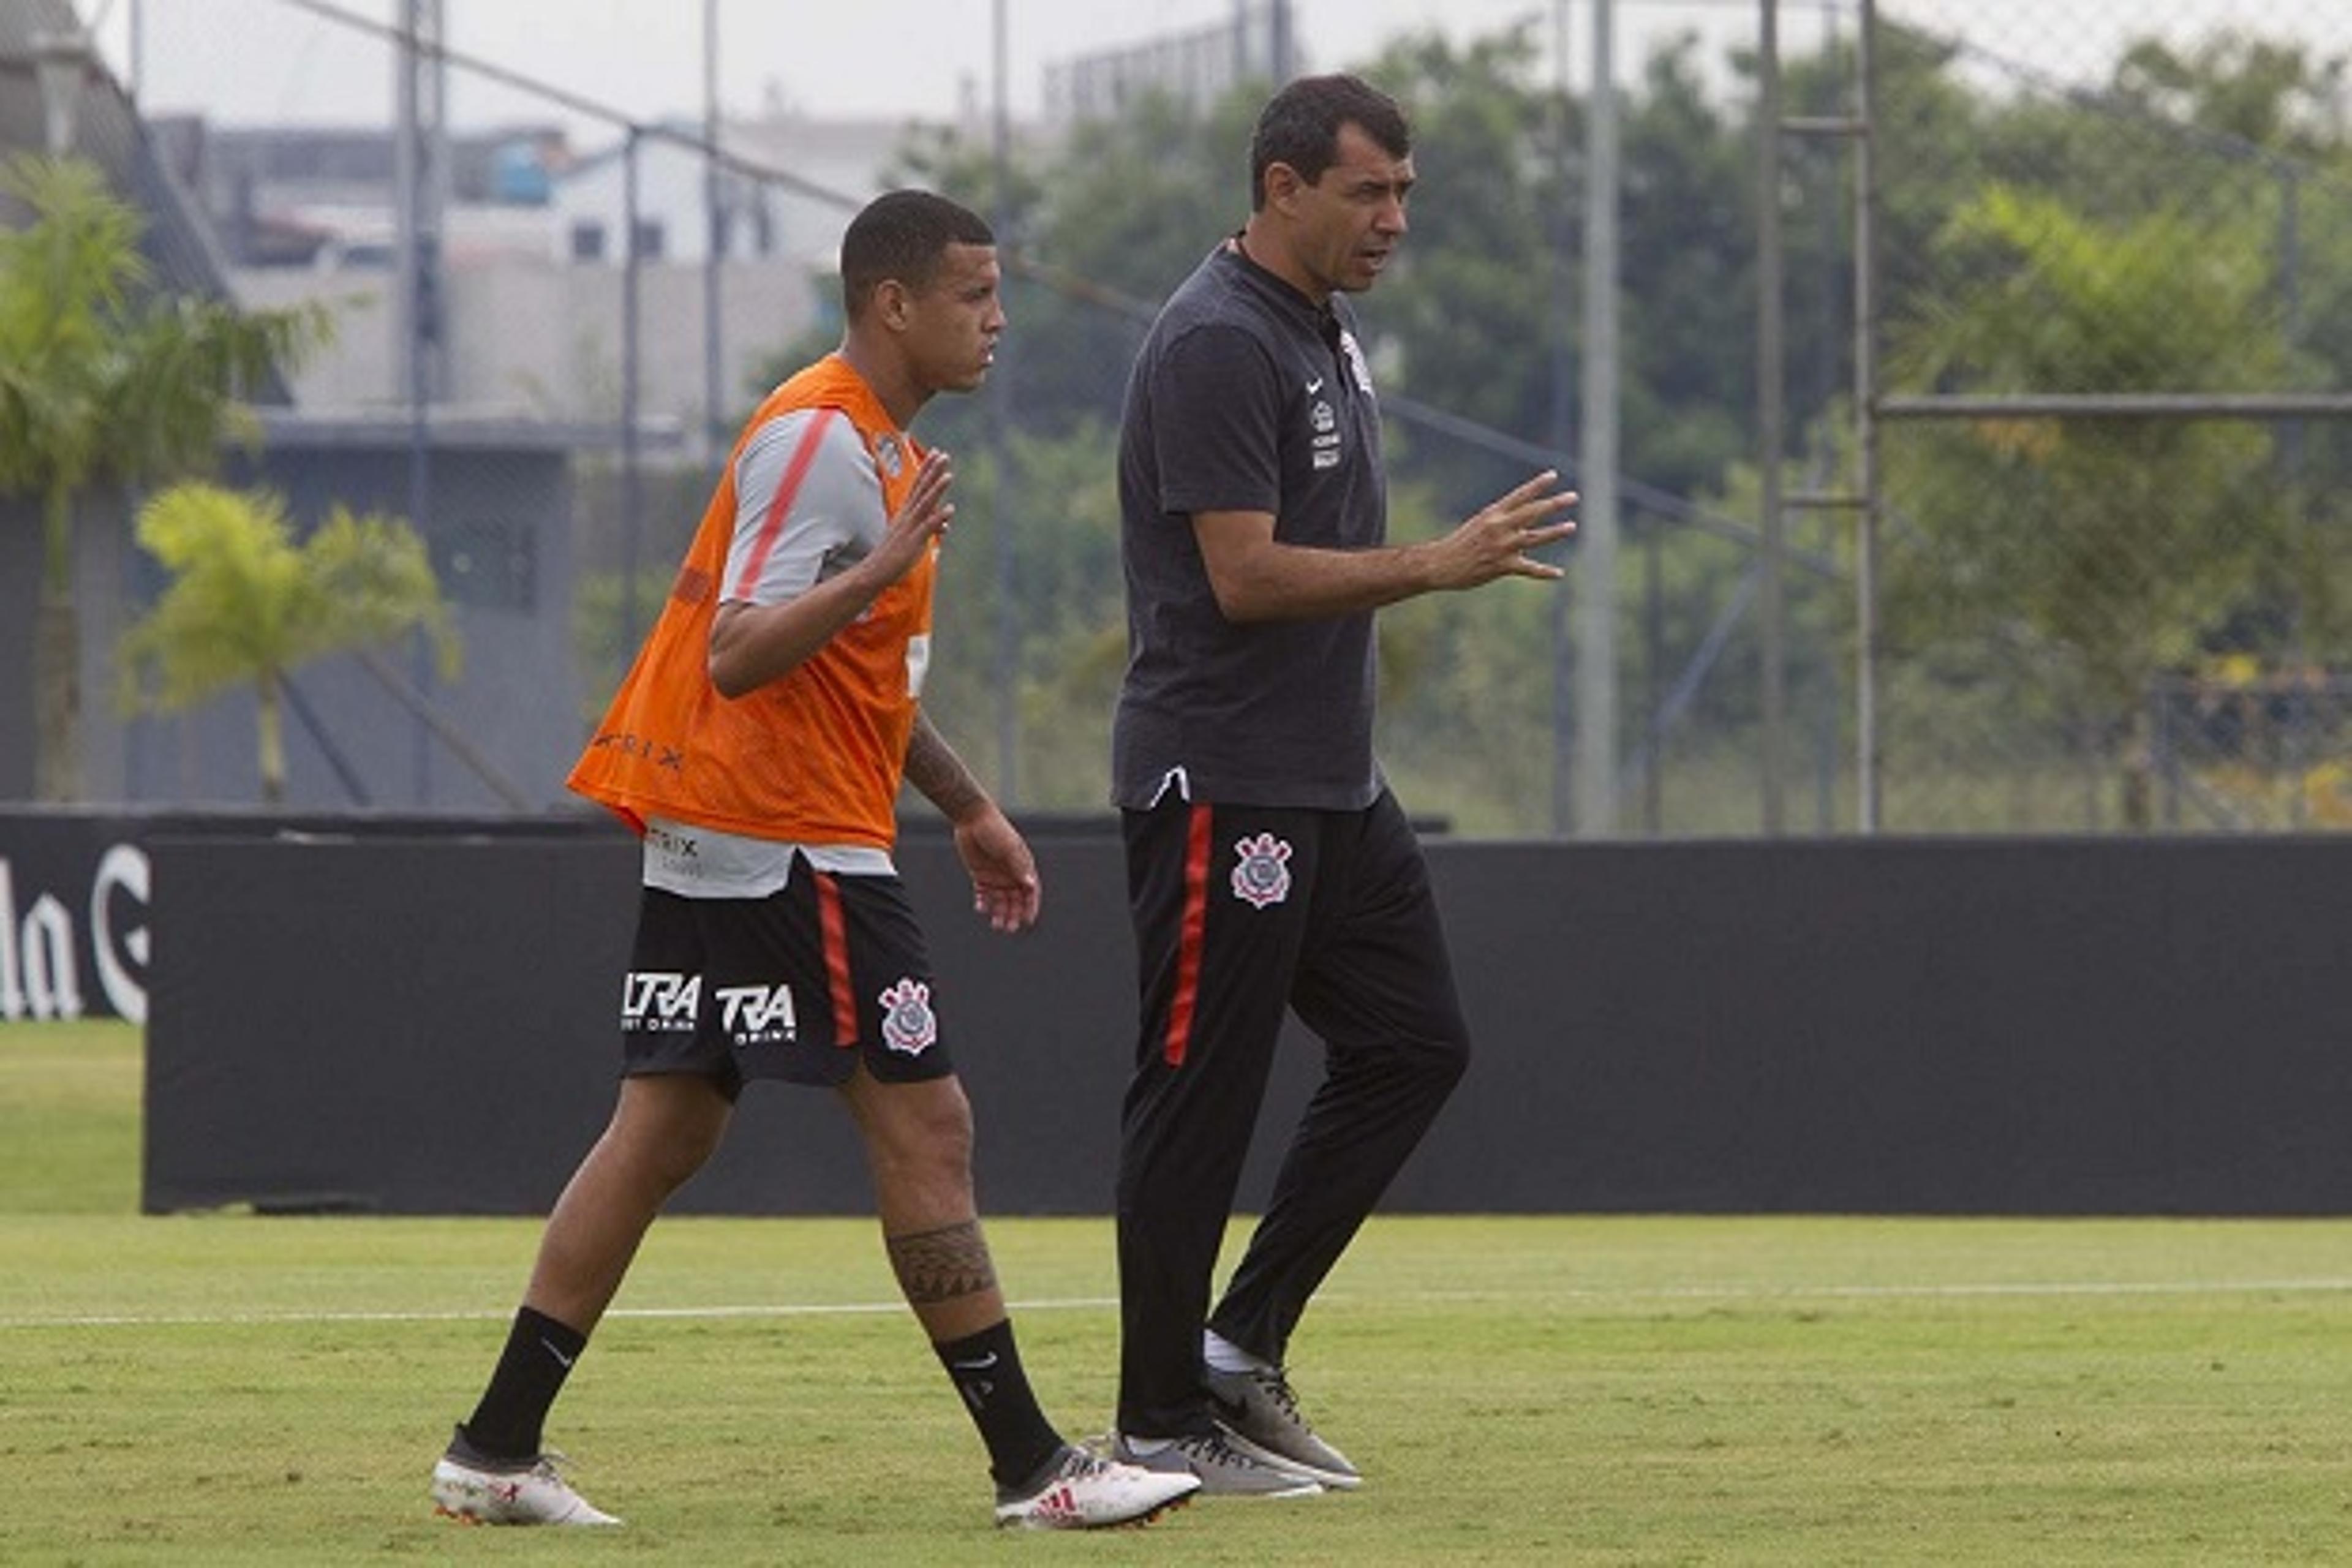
1241, 913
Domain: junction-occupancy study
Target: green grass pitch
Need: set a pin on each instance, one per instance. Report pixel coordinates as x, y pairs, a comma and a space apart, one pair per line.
234, 1390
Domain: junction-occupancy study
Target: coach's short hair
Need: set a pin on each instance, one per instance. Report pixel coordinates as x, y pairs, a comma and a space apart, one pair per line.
901, 236
1301, 126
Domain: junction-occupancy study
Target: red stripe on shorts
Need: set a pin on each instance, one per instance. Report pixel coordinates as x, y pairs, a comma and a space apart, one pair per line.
1188, 950
772, 526
837, 960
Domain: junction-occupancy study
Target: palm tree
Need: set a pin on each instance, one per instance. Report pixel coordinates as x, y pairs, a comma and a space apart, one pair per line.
248, 605
101, 376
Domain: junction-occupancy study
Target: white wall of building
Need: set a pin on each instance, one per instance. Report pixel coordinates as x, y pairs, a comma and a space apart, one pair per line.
532, 332
531, 338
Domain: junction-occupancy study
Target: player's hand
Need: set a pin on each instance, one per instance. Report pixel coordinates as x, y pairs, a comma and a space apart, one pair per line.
923, 516
1494, 541
1004, 887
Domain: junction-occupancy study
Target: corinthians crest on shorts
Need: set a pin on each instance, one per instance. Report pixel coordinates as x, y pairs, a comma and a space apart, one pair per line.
1262, 875
908, 1024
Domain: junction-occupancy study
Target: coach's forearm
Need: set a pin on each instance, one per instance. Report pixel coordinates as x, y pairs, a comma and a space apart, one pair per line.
1292, 582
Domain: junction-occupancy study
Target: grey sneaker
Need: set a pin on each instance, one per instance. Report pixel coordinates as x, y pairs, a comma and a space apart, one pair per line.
1223, 1469
1261, 1415
1081, 1491
474, 1489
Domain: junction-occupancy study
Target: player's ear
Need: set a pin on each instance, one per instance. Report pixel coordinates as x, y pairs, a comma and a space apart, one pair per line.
891, 303
1282, 186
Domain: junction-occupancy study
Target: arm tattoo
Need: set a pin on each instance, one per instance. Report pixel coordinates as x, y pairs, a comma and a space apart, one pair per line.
933, 768
941, 1264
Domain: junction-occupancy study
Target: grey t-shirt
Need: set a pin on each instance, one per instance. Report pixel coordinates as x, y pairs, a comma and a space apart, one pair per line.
1246, 396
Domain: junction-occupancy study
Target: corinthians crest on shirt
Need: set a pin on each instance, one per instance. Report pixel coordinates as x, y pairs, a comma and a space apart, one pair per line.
1261, 872
908, 1024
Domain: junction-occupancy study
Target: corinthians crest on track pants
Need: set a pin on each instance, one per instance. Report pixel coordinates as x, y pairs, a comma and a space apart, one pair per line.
1241, 914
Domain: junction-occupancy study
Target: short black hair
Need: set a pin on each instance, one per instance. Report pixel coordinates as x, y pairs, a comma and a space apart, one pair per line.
1301, 126
901, 236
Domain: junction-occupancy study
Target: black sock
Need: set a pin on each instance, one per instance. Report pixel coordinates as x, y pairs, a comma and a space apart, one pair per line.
986, 1370
529, 1375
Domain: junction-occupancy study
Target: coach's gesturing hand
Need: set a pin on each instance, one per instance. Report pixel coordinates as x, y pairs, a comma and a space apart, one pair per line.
1494, 541
1257, 577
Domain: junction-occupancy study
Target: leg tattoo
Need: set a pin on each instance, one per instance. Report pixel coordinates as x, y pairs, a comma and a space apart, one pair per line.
940, 1265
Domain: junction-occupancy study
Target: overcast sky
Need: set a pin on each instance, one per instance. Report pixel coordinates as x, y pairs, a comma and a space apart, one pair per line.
282, 61
255, 61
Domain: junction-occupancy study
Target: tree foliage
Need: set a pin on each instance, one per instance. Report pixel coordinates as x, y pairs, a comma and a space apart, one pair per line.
105, 378
2111, 550
2134, 238
248, 605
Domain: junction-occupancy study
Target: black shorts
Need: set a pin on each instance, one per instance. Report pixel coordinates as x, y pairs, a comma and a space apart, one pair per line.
801, 985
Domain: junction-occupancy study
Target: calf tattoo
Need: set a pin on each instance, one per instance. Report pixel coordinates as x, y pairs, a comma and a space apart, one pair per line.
941, 1264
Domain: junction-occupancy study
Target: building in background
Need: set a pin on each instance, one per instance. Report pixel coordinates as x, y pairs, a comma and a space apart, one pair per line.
1195, 68
530, 285
320, 197
498, 513
578, 381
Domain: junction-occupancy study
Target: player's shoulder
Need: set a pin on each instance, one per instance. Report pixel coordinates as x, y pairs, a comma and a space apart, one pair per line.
783, 434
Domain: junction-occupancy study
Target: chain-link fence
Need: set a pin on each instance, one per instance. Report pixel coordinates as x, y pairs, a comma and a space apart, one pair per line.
2108, 602
2083, 622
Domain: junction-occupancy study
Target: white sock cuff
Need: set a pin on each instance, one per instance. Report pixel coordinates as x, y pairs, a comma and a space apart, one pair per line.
1224, 1355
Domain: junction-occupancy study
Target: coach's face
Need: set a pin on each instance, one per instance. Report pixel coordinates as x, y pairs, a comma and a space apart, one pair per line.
1347, 225
952, 325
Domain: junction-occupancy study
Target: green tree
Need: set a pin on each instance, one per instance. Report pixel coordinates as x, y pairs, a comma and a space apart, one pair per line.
608, 626
1469, 323
2105, 550
1470, 320
1093, 238
248, 605
102, 376
2269, 94
1071, 646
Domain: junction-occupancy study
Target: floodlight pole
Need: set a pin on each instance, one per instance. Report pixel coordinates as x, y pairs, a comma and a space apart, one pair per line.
1563, 424
1595, 779
713, 430
1770, 418
632, 368
1000, 433
1862, 499
1865, 405
420, 159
